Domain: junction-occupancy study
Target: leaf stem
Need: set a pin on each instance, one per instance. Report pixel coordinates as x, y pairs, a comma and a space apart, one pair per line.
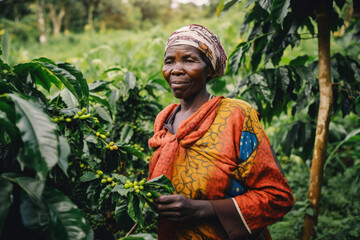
131, 230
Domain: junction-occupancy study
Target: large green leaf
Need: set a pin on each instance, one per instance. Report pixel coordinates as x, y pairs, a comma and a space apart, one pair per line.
64, 152
68, 221
135, 207
126, 134
6, 126
103, 113
40, 151
69, 99
37, 73
5, 199
84, 88
237, 57
34, 214
70, 81
279, 10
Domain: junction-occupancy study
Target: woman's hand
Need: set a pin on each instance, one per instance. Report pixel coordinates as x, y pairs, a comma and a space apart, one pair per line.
179, 208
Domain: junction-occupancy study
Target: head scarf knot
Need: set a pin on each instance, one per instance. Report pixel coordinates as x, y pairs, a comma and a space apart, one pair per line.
205, 41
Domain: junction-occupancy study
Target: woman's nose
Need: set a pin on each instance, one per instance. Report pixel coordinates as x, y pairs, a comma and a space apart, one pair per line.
177, 69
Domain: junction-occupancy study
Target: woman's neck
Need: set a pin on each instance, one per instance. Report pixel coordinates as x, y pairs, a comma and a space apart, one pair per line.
193, 103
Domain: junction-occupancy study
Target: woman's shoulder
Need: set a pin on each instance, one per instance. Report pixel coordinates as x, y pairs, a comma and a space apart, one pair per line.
236, 104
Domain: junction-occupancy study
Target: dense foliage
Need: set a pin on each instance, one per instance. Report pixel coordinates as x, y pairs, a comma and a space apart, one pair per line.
67, 141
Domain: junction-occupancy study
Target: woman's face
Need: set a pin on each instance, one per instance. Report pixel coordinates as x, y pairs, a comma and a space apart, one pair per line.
185, 71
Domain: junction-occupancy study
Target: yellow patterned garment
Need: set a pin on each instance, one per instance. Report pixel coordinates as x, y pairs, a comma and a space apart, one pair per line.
220, 152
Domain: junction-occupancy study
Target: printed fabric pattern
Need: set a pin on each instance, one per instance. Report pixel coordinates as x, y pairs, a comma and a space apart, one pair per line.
220, 152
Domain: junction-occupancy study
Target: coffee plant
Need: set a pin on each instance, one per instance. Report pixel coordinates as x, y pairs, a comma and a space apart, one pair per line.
69, 151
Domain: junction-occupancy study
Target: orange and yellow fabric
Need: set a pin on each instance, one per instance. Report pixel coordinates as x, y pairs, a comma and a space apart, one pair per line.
221, 153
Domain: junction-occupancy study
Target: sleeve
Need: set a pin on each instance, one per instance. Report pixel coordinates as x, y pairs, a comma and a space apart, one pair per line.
268, 196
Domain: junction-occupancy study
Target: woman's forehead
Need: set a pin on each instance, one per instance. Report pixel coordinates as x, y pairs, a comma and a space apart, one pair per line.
186, 49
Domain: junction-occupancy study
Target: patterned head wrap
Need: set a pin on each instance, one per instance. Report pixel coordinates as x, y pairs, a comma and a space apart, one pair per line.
205, 41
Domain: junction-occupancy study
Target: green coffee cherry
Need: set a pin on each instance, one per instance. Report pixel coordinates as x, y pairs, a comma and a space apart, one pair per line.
97, 134
109, 179
137, 191
83, 110
55, 120
76, 116
80, 113
149, 194
102, 136
111, 148
103, 180
136, 187
99, 172
82, 165
68, 119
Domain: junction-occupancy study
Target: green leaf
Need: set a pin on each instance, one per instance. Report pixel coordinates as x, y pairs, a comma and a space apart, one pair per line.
67, 220
114, 97
121, 190
126, 134
6, 199
6, 126
34, 215
162, 182
299, 61
98, 86
32, 187
132, 151
140, 236
224, 6
34, 69
83, 89
88, 176
5, 46
69, 99
100, 99
40, 151
66, 78
135, 207
64, 152
121, 216
279, 10
237, 57
266, 5
103, 113
130, 80
348, 137
283, 80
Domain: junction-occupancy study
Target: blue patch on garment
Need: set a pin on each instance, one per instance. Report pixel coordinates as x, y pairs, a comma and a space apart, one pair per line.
235, 189
248, 143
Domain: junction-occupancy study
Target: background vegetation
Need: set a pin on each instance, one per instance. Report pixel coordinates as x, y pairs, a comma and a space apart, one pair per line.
117, 47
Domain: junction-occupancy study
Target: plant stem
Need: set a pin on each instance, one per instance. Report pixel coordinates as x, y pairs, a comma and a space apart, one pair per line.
131, 230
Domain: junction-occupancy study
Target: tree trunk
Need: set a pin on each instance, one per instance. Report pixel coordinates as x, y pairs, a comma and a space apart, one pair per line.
323, 16
90, 16
41, 21
56, 19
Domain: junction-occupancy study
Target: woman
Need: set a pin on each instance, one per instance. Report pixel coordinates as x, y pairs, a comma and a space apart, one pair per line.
227, 179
